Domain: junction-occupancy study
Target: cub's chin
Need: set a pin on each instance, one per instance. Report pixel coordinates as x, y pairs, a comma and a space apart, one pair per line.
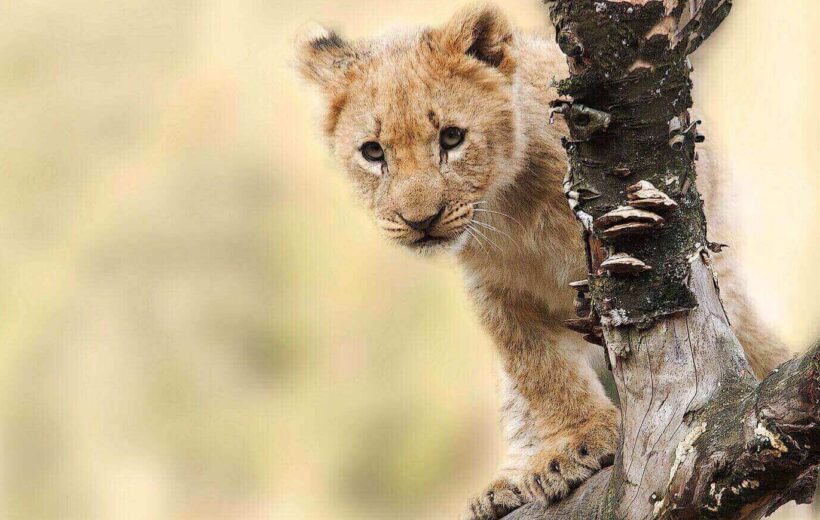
431, 245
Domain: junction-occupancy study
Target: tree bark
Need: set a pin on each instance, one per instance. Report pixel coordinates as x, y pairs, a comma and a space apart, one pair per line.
701, 438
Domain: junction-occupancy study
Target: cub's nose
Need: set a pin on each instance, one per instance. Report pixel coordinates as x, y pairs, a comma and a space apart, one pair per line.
425, 223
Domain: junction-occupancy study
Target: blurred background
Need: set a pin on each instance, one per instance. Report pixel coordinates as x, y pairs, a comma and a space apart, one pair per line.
197, 321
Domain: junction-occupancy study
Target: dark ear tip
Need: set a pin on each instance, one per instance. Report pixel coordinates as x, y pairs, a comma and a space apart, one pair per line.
327, 41
483, 32
491, 15
313, 37
323, 57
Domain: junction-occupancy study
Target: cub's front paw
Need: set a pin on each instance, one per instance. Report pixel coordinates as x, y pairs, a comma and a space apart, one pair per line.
499, 499
562, 464
566, 462
579, 454
512, 491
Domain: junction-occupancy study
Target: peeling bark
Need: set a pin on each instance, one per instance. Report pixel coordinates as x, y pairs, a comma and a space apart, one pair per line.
701, 438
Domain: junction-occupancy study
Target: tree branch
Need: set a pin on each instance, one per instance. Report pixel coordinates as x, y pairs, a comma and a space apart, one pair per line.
757, 455
700, 437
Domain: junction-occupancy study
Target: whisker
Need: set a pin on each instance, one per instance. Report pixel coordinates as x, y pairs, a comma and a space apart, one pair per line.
484, 210
484, 224
485, 237
476, 239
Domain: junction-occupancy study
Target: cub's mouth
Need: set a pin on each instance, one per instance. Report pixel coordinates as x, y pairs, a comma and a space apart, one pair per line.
429, 239
448, 229
429, 243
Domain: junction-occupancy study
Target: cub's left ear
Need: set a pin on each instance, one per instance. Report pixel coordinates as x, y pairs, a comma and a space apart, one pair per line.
484, 33
324, 58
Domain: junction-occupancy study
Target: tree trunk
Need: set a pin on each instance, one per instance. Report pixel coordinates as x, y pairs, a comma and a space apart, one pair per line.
701, 438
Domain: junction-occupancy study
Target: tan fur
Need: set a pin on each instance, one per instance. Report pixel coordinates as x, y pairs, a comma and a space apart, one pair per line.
504, 215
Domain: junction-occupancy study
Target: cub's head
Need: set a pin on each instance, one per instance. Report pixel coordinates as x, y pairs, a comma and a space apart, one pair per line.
424, 123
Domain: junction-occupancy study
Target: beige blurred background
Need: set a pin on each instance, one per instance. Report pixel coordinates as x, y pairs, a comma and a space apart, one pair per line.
196, 321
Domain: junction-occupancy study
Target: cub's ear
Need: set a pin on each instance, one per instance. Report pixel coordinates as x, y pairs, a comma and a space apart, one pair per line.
483, 32
323, 57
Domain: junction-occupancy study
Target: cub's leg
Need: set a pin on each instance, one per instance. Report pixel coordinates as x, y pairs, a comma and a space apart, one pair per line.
559, 426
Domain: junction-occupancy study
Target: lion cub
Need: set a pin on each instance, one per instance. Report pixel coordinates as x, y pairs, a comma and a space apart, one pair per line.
444, 133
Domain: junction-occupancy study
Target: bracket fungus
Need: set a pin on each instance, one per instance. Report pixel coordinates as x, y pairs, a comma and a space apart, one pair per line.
678, 135
626, 220
587, 323
574, 201
579, 192
597, 338
582, 325
590, 327
622, 263
582, 305
644, 195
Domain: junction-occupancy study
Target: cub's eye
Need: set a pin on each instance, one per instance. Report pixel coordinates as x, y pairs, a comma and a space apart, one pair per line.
372, 151
451, 137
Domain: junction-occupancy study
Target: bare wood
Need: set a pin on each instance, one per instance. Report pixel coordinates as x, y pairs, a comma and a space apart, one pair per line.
701, 438
754, 458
